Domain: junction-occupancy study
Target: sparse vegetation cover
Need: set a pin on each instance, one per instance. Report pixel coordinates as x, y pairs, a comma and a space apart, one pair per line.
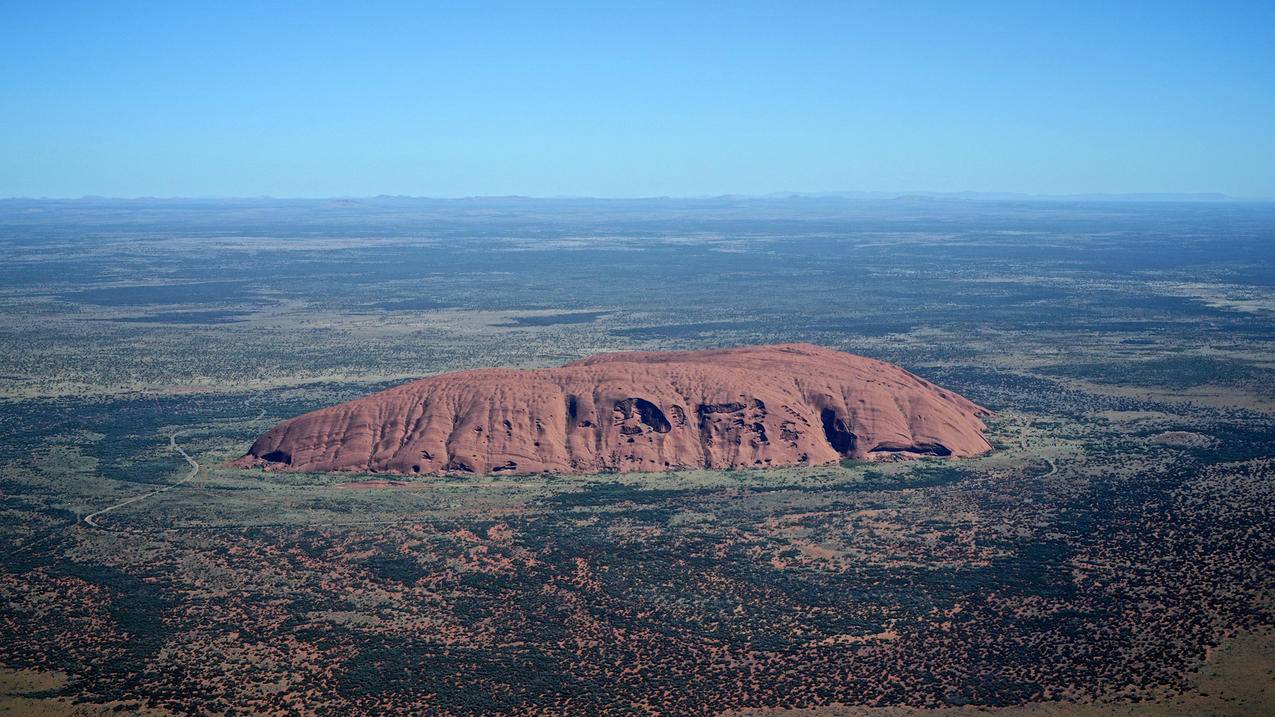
1112, 555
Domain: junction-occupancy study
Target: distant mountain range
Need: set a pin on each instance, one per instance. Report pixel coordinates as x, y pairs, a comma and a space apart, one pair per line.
1022, 196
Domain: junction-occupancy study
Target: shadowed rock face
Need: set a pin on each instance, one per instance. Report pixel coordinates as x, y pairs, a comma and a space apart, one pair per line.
746, 407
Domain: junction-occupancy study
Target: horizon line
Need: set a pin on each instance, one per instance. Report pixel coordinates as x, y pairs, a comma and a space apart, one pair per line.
846, 194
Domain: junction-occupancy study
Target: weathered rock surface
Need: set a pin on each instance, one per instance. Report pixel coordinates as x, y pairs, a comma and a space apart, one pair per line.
745, 407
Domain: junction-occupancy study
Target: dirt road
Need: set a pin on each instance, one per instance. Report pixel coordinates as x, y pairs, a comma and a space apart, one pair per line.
91, 518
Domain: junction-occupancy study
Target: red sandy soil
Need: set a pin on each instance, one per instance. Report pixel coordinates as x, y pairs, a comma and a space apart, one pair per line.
754, 406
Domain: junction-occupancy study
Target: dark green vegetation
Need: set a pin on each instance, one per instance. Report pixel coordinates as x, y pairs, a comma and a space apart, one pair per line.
1170, 372
1089, 559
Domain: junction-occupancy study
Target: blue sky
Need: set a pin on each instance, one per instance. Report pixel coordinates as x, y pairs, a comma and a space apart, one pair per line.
635, 99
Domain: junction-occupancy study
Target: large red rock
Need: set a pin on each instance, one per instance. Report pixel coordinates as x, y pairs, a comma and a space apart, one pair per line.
744, 407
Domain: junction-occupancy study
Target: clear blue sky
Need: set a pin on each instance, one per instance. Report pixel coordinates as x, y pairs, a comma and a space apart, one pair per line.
635, 98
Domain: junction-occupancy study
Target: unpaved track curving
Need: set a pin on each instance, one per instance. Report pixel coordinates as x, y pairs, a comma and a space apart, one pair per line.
91, 518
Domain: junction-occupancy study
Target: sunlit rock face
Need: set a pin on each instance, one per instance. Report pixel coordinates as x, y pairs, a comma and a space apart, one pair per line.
754, 406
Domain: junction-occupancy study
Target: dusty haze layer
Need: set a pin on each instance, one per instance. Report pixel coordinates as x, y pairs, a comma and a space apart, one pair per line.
754, 406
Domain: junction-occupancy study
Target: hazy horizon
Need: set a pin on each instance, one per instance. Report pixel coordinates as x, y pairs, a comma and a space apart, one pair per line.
865, 194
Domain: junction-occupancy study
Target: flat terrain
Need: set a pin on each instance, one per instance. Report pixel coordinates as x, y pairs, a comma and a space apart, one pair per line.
1112, 556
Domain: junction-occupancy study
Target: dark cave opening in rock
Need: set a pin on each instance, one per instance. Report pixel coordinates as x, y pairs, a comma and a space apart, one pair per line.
836, 433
